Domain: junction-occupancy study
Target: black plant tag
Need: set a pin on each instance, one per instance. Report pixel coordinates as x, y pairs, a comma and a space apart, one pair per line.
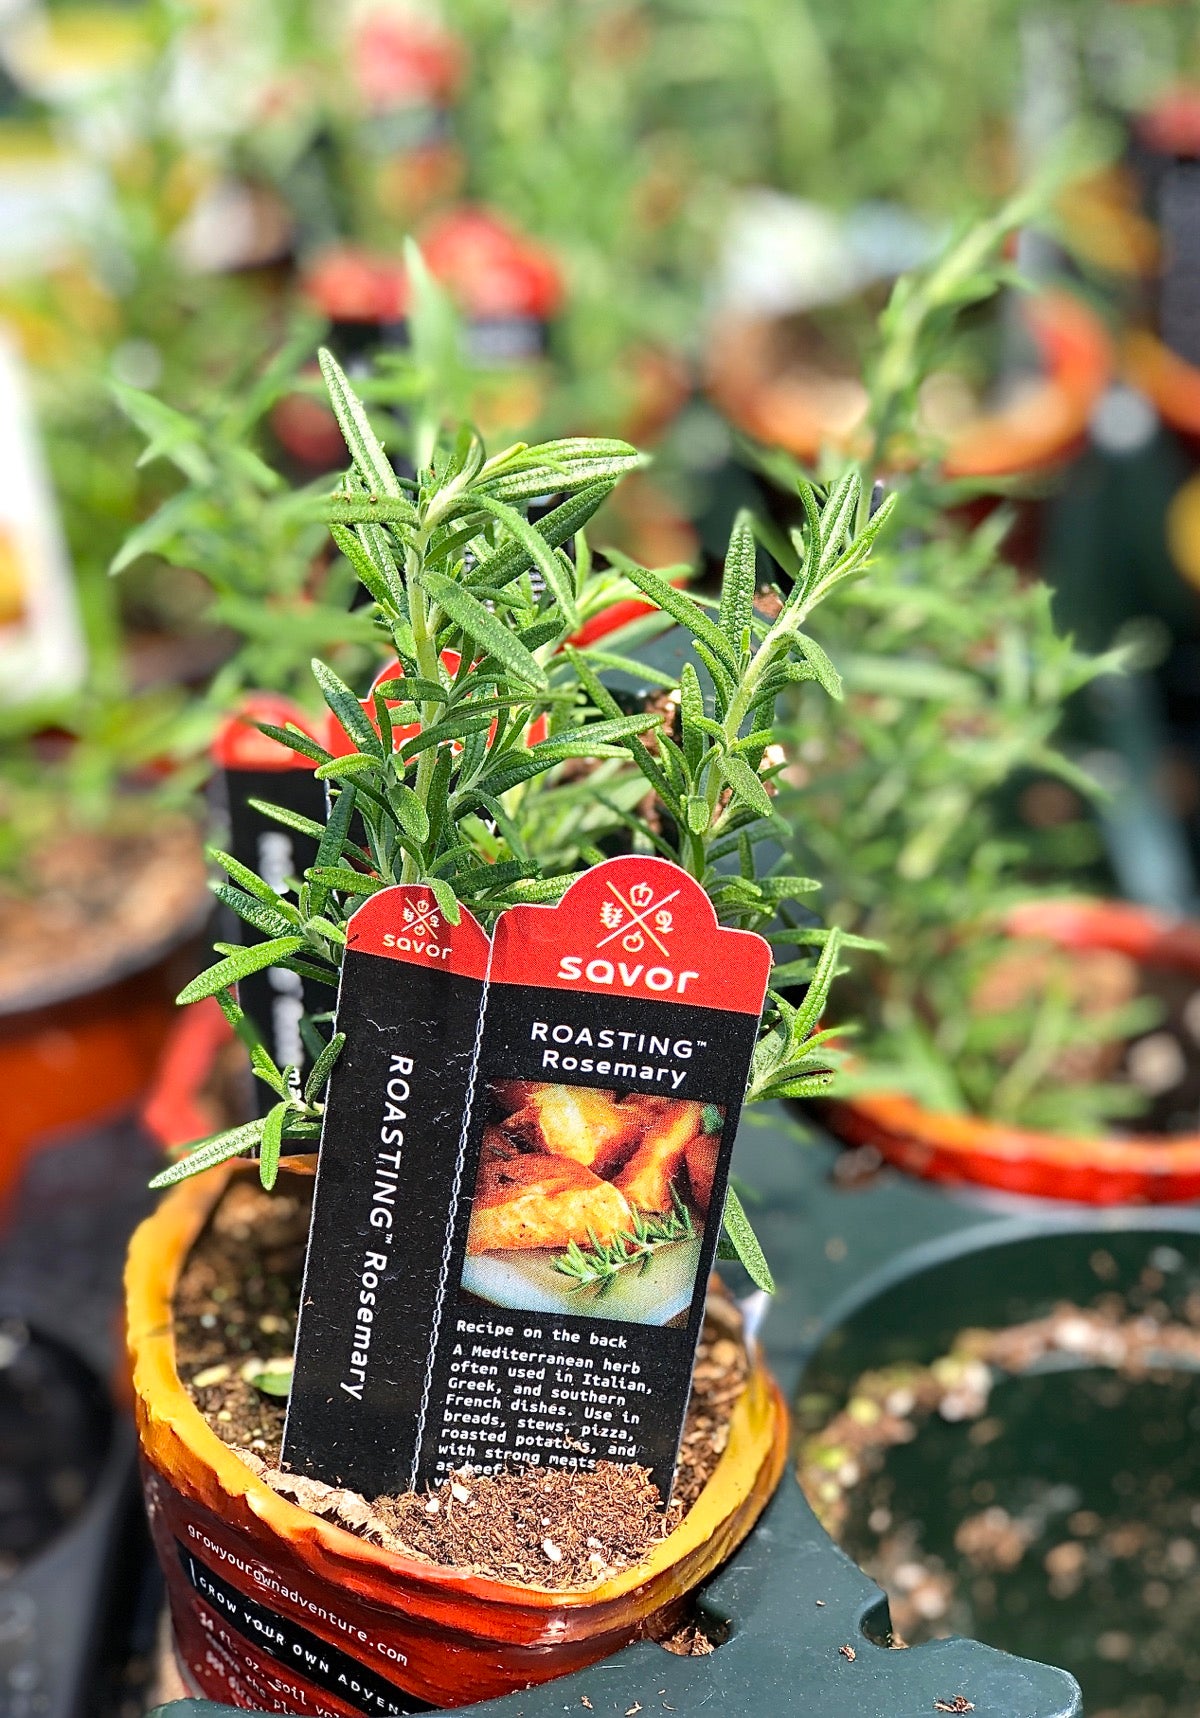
388, 1190
519, 1193
252, 766
1179, 287
612, 1066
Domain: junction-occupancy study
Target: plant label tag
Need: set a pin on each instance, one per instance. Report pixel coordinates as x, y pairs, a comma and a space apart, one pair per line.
388, 1191
42, 650
613, 1060
252, 766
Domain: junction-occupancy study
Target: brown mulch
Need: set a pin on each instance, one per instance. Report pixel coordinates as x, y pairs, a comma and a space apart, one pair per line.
690, 1641
235, 1310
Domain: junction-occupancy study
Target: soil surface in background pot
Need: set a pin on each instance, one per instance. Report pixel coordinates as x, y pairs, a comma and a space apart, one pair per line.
103, 904
1161, 1062
235, 1312
1164, 1062
1037, 1488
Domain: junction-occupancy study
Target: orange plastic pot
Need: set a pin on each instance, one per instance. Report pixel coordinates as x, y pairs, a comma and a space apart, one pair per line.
1145, 1169
263, 1593
1036, 432
1170, 382
74, 1056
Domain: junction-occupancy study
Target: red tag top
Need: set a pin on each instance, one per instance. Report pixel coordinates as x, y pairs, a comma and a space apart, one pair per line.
341, 745
239, 745
489, 269
634, 927
1172, 125
350, 284
406, 923
402, 60
339, 742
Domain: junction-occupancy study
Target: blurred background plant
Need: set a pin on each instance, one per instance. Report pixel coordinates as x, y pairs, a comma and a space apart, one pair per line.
958, 681
676, 221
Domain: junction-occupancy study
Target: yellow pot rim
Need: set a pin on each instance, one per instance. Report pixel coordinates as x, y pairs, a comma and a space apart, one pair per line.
758, 1425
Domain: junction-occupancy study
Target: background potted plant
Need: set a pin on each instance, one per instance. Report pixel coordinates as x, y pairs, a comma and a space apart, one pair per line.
992, 1049
103, 902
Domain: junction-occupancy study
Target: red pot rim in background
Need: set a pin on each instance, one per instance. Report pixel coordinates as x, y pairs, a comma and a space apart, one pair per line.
1167, 380
1036, 432
1139, 1169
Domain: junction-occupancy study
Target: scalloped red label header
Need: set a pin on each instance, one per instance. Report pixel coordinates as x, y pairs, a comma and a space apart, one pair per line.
406, 923
634, 927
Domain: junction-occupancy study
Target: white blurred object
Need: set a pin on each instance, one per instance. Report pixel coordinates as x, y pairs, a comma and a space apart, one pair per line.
234, 225
48, 197
42, 652
1123, 420
782, 255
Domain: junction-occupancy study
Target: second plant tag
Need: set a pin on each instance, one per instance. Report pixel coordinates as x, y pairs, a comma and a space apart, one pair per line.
252, 766
387, 1191
613, 1061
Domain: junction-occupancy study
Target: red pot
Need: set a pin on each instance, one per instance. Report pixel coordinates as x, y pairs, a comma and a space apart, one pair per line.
76, 1054
1139, 1169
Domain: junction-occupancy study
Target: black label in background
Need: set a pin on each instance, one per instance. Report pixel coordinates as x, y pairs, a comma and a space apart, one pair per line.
1179, 286
533, 1365
377, 1275
276, 998
305, 1654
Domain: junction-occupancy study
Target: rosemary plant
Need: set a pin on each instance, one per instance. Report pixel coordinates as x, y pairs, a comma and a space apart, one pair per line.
259, 545
957, 685
452, 564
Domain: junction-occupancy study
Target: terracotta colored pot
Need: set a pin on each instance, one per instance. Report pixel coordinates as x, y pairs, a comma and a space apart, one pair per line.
1170, 382
75, 1055
1138, 1169
233, 1549
1037, 431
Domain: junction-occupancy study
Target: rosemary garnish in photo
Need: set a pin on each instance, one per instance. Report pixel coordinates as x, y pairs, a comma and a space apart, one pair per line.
600, 1263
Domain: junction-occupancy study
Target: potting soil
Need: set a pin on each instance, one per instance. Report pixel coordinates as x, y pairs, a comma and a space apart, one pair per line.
1037, 1488
235, 1313
101, 901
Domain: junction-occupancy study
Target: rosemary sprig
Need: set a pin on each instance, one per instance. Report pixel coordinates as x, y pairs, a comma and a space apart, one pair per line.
600, 1263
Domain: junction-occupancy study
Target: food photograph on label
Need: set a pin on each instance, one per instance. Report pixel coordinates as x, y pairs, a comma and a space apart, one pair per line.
590, 1200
